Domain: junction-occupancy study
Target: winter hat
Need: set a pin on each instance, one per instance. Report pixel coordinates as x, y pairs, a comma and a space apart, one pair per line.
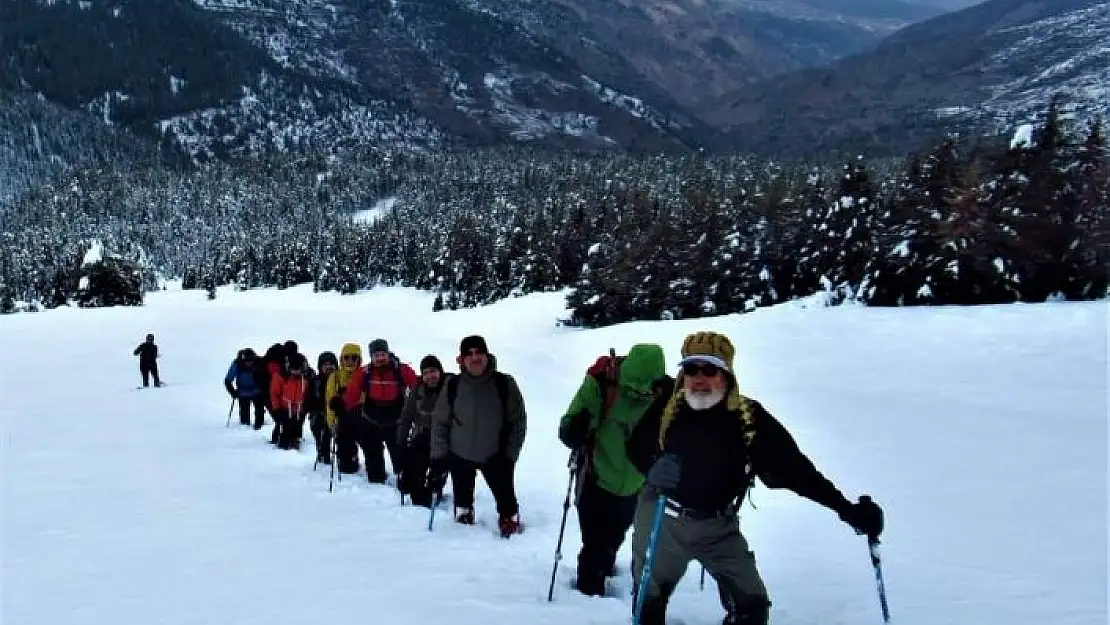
715, 349
296, 361
379, 345
709, 347
291, 347
327, 357
431, 362
473, 341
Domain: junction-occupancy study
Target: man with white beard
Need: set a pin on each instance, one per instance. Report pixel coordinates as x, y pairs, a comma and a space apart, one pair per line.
701, 452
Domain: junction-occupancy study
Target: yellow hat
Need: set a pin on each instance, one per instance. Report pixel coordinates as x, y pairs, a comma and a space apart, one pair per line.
709, 347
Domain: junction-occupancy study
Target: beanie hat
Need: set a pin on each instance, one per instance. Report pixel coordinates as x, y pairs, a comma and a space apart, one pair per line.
379, 345
296, 361
431, 362
327, 357
291, 347
473, 341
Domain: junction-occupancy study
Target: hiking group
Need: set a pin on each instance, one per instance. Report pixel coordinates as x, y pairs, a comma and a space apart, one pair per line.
670, 458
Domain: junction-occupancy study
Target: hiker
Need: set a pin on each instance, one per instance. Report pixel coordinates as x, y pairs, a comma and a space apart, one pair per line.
479, 424
380, 389
147, 352
615, 395
414, 437
288, 392
273, 366
326, 364
701, 451
343, 424
247, 389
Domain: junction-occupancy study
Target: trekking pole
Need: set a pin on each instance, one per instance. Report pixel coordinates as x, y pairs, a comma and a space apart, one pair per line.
573, 465
432, 514
701, 583
229, 411
331, 477
649, 559
877, 564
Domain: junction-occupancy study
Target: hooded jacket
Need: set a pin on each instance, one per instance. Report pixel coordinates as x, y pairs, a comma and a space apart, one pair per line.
416, 418
608, 458
338, 381
479, 427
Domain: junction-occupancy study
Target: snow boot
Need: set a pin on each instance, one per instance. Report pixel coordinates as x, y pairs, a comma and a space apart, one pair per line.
755, 612
510, 525
464, 516
590, 584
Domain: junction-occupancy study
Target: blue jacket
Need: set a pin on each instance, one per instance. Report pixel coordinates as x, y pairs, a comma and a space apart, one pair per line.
246, 386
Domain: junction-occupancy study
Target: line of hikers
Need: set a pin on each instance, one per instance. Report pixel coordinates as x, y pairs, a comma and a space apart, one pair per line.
635, 434
478, 425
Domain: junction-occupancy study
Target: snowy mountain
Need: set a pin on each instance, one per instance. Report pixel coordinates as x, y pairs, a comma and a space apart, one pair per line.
220, 78
986, 68
981, 431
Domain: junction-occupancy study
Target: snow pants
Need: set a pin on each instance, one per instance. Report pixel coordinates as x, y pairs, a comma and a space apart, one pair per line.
321, 433
604, 519
499, 473
374, 440
413, 476
713, 540
148, 369
245, 404
346, 441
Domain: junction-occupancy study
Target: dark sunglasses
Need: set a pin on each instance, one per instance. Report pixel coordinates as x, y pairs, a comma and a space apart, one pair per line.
693, 369
350, 358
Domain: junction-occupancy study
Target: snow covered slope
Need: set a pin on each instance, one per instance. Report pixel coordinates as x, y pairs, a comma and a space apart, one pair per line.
982, 431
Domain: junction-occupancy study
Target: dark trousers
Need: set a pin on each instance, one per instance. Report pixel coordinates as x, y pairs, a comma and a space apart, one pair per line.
374, 440
413, 476
318, 424
346, 441
147, 370
604, 519
245, 411
499, 473
287, 431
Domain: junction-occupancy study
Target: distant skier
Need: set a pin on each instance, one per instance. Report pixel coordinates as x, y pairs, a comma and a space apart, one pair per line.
147, 352
702, 451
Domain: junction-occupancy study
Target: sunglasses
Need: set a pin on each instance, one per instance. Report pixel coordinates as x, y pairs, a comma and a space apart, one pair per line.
693, 369
350, 358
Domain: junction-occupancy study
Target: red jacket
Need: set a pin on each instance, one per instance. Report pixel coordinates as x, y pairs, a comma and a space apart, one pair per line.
383, 387
288, 393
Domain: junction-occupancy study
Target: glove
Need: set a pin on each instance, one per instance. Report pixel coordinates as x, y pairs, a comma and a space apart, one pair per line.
230, 389
665, 473
337, 404
577, 430
865, 516
437, 474
402, 483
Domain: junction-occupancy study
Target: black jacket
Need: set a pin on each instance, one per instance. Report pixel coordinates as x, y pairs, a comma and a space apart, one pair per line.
147, 353
717, 464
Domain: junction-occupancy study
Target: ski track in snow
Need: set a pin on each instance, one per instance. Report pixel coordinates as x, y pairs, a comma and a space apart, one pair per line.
982, 432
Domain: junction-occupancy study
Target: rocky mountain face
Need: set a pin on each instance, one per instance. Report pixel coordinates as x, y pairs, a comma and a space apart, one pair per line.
234, 78
982, 70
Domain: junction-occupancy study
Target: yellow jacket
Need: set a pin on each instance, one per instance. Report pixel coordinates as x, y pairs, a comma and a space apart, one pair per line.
338, 380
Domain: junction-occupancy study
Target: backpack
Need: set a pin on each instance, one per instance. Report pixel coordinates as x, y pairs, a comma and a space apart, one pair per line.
395, 364
501, 381
606, 371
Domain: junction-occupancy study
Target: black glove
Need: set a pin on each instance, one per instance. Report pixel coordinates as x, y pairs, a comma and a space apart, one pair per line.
865, 516
577, 430
230, 389
402, 483
665, 473
437, 474
337, 404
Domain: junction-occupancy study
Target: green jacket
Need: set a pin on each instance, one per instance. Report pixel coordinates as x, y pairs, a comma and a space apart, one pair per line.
582, 423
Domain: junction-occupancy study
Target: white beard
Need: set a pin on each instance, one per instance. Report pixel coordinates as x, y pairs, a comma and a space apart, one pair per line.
704, 401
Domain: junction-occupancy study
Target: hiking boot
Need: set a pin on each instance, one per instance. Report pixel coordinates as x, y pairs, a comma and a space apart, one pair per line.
590, 584
323, 458
756, 612
510, 525
464, 516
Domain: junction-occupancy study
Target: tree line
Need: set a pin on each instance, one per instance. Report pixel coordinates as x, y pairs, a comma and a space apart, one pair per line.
629, 237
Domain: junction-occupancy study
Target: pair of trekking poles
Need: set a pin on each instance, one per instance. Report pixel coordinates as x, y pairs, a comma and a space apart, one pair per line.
653, 539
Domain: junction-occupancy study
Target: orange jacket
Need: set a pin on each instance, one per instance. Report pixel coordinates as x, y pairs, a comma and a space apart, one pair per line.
288, 393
